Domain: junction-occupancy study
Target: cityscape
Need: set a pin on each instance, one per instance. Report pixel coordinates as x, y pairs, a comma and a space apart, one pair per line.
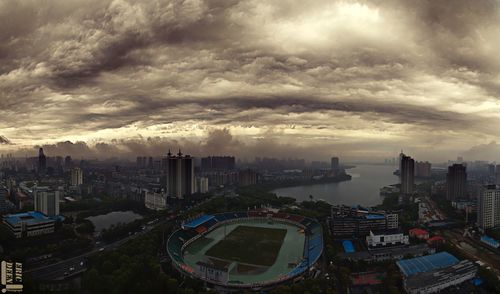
206, 146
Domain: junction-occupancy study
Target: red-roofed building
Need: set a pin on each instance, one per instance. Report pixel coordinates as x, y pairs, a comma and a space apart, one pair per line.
419, 234
436, 241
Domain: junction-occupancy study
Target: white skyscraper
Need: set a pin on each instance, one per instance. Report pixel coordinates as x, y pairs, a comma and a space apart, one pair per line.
76, 176
488, 208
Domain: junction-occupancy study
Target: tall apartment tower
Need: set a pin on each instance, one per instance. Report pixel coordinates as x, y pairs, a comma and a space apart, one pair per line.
456, 181
42, 161
180, 175
407, 176
335, 163
488, 208
497, 175
76, 176
47, 201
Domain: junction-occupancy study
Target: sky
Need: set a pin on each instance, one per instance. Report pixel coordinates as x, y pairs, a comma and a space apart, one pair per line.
289, 78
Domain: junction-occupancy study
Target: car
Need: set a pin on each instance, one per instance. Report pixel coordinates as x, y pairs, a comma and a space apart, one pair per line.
101, 249
71, 268
81, 263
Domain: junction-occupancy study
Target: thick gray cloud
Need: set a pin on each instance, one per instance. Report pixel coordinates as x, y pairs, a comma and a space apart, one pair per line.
358, 78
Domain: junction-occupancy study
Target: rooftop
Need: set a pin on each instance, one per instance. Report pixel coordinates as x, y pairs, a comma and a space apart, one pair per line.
418, 231
440, 276
198, 221
30, 217
426, 263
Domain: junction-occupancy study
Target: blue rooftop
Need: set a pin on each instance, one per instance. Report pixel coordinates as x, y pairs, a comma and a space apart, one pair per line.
348, 246
426, 263
198, 221
375, 216
492, 242
29, 217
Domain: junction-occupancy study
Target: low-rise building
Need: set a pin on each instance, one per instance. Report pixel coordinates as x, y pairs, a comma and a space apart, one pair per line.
437, 280
386, 238
155, 201
436, 241
419, 234
28, 224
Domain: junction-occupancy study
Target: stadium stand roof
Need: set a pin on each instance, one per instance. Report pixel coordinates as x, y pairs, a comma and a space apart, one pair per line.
198, 221
426, 263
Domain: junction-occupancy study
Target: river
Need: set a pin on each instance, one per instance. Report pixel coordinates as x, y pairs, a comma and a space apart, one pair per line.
362, 189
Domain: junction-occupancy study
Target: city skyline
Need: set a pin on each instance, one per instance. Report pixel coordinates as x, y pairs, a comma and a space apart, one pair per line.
360, 79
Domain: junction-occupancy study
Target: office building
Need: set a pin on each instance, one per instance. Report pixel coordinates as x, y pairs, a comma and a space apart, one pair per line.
218, 163
76, 177
47, 201
29, 224
456, 180
488, 208
42, 162
407, 175
356, 224
180, 175
155, 201
386, 238
423, 169
335, 163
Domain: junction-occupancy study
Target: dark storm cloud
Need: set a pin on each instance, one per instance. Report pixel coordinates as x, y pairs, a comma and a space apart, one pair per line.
4, 140
95, 75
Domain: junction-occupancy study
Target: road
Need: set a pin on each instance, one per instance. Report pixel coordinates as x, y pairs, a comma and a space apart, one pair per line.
455, 236
78, 264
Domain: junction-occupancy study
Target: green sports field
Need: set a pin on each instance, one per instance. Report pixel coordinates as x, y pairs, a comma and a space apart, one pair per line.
242, 244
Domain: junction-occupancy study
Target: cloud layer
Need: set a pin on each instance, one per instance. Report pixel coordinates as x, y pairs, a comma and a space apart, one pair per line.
356, 78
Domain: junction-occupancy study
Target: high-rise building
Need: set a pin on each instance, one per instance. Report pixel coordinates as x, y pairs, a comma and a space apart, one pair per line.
201, 185
76, 176
47, 201
497, 175
488, 208
247, 177
491, 170
42, 161
456, 181
217, 163
335, 163
180, 175
407, 176
423, 169
3, 200
68, 162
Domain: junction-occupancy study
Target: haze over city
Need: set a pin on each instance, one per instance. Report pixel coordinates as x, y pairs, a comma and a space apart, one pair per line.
362, 79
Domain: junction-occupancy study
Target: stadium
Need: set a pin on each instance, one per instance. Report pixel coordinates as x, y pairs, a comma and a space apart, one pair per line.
246, 250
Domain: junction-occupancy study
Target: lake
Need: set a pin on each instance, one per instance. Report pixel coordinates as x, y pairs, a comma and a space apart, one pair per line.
363, 188
105, 221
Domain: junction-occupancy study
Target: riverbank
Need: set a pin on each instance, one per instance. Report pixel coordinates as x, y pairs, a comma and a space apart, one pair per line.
273, 185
